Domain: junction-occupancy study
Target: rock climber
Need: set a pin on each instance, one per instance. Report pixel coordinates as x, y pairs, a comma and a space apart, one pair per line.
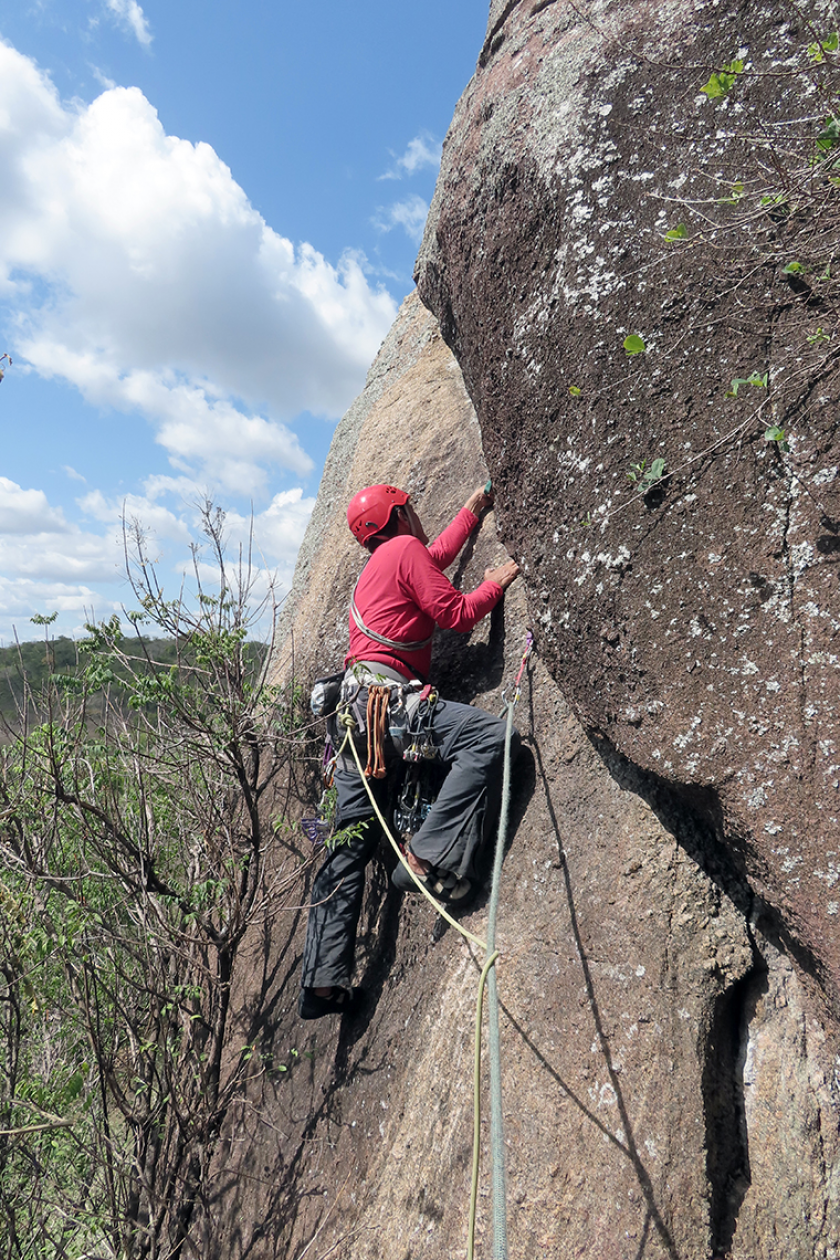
400, 597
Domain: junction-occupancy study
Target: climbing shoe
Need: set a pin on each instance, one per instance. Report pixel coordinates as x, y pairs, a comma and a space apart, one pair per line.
340, 1002
443, 885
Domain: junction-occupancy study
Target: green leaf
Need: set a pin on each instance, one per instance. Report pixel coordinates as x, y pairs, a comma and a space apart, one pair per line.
754, 378
774, 199
777, 435
830, 134
735, 195
646, 476
574, 391
721, 81
829, 43
678, 233
793, 269
634, 344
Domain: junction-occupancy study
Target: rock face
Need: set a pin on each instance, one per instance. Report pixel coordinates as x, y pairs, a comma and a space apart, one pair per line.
668, 1066
626, 269
591, 192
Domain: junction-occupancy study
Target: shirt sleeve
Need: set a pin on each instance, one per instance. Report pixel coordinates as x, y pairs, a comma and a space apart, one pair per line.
421, 580
446, 546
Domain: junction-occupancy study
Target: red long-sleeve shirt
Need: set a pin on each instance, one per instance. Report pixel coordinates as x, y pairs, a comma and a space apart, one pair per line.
403, 593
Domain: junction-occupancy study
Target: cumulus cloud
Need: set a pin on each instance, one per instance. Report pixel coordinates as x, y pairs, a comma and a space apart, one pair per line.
137, 269
277, 531
272, 536
410, 215
38, 543
422, 151
27, 511
152, 516
131, 16
48, 564
22, 599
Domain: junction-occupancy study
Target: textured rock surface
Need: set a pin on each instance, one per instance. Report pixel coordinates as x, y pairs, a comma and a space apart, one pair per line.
695, 628
668, 1077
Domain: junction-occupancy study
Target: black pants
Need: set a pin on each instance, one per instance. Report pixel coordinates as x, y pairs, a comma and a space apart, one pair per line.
471, 745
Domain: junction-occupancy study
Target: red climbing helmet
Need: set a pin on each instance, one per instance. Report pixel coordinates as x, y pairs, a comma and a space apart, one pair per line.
370, 509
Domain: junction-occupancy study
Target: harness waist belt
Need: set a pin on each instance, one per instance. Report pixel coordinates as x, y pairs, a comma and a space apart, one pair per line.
376, 669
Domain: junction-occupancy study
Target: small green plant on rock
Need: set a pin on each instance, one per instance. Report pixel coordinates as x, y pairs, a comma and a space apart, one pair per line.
777, 435
722, 81
634, 344
828, 44
758, 379
645, 476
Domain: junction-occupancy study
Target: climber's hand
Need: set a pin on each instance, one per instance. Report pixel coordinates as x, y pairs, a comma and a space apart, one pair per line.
479, 500
504, 575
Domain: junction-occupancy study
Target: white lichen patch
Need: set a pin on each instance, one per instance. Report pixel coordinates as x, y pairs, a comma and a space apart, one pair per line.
830, 876
683, 740
592, 562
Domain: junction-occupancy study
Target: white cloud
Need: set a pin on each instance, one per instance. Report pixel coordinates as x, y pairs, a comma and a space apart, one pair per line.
138, 270
21, 599
273, 535
27, 511
422, 151
48, 564
410, 215
153, 517
70, 472
131, 16
38, 544
277, 532
101, 78
77, 555
271, 540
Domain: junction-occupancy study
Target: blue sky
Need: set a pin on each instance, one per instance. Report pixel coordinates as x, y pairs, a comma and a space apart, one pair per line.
208, 217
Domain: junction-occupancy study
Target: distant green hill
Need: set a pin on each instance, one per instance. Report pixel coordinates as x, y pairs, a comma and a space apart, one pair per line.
33, 663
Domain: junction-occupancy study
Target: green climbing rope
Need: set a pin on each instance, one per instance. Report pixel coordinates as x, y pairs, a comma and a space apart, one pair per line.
497, 1134
488, 966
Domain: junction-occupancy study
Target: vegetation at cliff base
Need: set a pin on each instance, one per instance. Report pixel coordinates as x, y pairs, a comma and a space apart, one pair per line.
137, 848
